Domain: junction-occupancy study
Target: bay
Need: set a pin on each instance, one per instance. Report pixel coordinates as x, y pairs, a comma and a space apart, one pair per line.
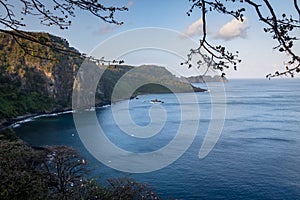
256, 157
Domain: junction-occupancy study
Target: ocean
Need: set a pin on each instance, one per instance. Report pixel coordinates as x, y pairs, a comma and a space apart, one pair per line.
257, 155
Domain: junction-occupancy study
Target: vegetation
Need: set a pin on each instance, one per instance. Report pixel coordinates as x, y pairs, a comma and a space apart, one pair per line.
203, 79
55, 13
155, 79
15, 102
37, 72
281, 26
56, 172
32, 85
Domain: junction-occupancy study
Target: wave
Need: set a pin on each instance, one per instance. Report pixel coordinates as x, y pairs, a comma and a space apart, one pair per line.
17, 124
104, 106
29, 119
262, 129
271, 139
263, 119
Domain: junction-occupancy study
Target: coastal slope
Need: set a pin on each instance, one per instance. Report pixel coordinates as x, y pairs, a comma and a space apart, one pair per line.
36, 84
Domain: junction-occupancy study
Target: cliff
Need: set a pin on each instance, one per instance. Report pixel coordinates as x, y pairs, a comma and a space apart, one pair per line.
31, 85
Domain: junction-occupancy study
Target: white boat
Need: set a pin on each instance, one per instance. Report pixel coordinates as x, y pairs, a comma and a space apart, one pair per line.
156, 101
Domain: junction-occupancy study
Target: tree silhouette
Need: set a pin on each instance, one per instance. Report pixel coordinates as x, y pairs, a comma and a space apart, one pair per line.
58, 13
281, 27
67, 172
21, 176
56, 172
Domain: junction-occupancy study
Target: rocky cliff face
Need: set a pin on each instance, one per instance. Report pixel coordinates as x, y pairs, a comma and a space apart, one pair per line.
29, 84
52, 77
33, 85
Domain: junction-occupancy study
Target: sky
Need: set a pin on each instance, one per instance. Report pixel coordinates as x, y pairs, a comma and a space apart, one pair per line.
169, 22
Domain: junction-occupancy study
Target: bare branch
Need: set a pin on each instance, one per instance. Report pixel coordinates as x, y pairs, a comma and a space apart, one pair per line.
53, 13
280, 28
297, 8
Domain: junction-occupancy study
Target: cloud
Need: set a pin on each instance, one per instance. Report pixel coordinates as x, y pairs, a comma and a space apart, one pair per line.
129, 4
105, 29
233, 29
195, 29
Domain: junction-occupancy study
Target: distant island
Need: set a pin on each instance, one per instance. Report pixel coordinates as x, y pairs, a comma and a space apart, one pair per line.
207, 78
30, 85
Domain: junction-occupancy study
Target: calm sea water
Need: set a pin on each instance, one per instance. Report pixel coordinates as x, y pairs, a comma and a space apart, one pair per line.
256, 157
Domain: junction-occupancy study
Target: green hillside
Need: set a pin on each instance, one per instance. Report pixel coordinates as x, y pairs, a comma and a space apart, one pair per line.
31, 85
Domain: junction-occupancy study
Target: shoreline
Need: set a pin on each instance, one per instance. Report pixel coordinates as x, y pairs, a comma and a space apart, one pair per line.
9, 123
17, 121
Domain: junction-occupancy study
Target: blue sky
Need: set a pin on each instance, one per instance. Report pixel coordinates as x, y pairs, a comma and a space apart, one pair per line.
255, 47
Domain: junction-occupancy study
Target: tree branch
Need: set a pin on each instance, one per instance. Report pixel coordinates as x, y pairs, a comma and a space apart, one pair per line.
54, 13
297, 8
280, 29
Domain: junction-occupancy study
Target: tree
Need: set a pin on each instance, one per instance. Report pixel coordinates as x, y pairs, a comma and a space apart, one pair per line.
126, 188
67, 173
281, 27
21, 176
50, 13
68, 178
58, 13
56, 172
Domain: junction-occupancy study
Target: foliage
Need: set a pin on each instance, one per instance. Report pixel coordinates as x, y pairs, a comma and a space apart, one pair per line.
203, 79
29, 84
58, 13
66, 171
8, 134
15, 102
50, 13
21, 103
20, 173
56, 172
155, 79
152, 79
126, 188
281, 27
